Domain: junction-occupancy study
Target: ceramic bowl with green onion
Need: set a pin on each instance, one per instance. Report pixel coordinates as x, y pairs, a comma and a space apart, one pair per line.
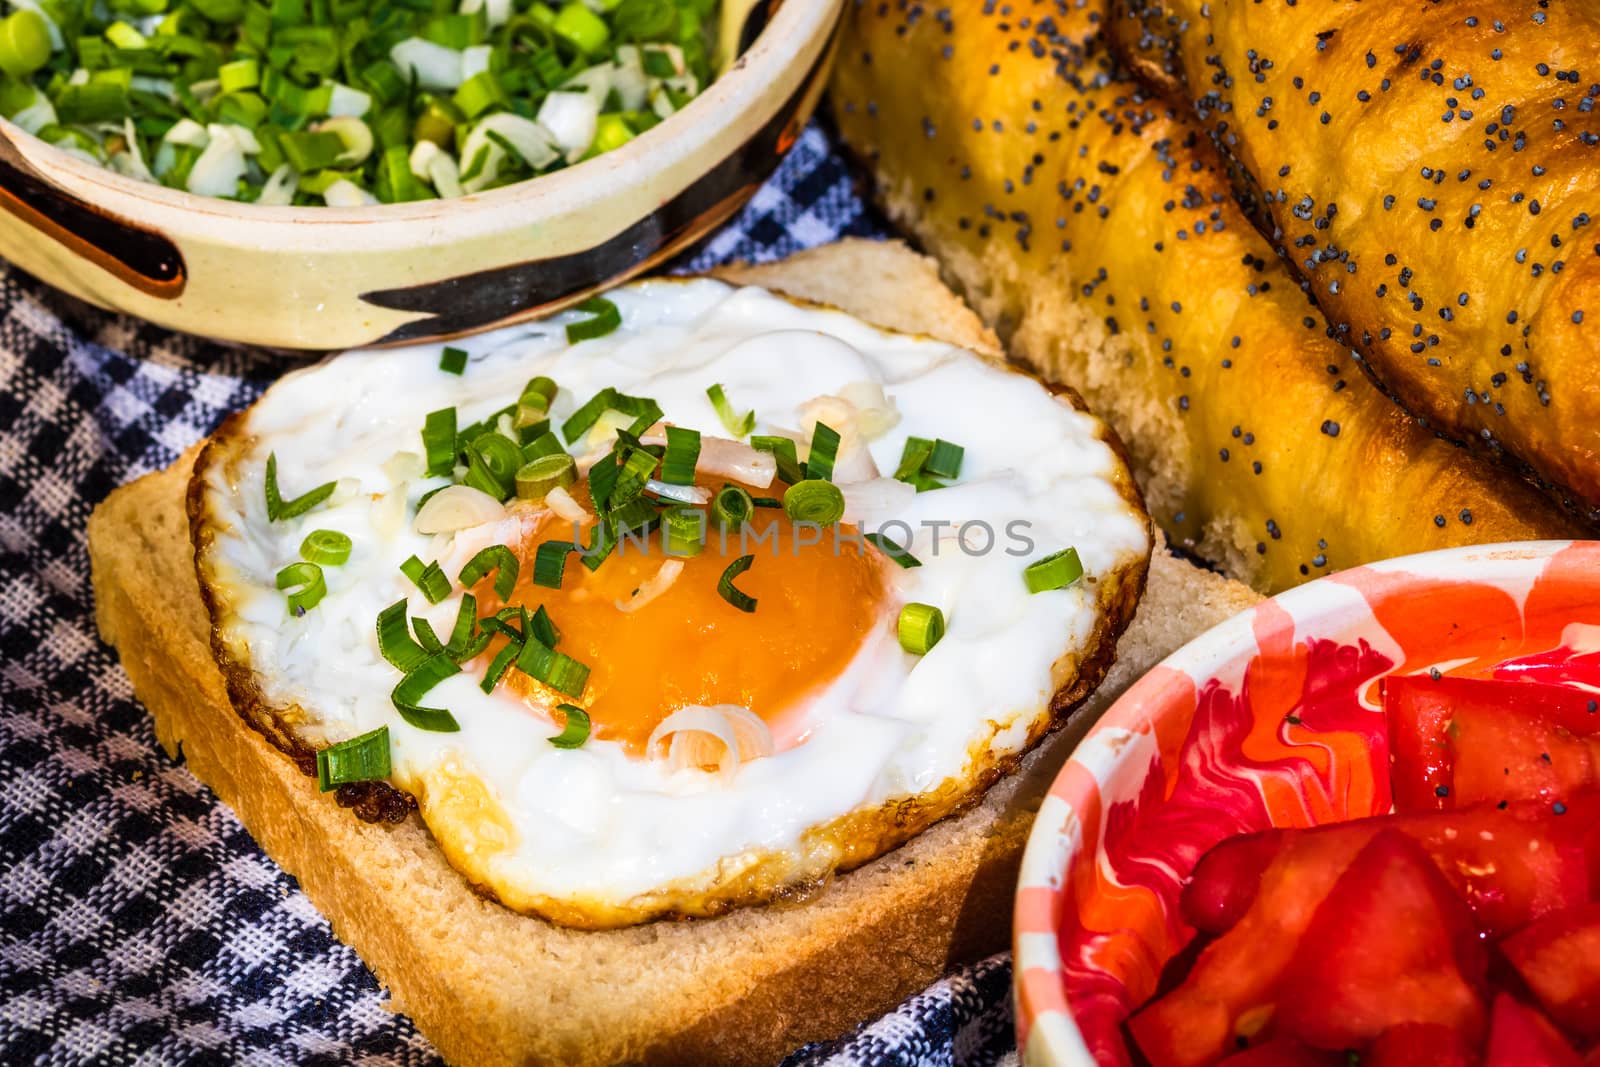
321, 174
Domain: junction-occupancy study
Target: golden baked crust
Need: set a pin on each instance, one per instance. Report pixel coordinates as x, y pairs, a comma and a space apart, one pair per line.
491, 987
1095, 229
454, 805
1432, 173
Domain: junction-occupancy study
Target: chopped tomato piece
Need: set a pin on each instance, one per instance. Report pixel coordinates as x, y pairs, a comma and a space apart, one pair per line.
1521, 1037
1511, 865
1420, 1045
1457, 741
1391, 944
1283, 1052
1559, 958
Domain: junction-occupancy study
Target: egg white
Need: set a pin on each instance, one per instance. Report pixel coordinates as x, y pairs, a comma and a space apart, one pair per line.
592, 835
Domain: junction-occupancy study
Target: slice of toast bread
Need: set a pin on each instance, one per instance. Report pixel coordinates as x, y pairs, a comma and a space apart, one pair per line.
489, 986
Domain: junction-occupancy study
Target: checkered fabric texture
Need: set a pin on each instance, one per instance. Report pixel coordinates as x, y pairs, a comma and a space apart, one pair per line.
139, 922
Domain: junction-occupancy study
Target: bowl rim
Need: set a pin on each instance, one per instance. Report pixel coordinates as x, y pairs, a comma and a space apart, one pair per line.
790, 30
1046, 1032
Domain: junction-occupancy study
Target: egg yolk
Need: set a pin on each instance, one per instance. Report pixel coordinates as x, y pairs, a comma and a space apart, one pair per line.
817, 592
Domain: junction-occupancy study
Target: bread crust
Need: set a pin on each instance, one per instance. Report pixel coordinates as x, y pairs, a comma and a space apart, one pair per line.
490, 986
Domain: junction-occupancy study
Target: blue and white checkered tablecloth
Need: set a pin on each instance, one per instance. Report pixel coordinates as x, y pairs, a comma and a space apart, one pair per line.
139, 922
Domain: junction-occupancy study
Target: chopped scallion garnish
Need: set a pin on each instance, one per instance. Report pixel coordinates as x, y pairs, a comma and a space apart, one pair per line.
604, 318
919, 628
543, 628
731, 508
815, 501
461, 644
427, 635
897, 552
550, 563
945, 459
453, 360
497, 558
499, 665
555, 669
358, 759
824, 450
683, 531
575, 729
407, 696
394, 638
1055, 571
730, 593
428, 578
784, 451
537, 477
683, 452
439, 442
329, 548
279, 508
737, 425
311, 586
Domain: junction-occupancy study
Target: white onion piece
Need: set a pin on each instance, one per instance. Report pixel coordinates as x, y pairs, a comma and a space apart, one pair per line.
628, 79
438, 168
280, 186
876, 499
496, 12
876, 414
457, 507
188, 133
404, 467
654, 586
683, 494
854, 464
389, 513
572, 118
433, 66
220, 166
729, 459
355, 135
532, 142
345, 193
131, 161
596, 82
564, 506
345, 102
724, 735
37, 115
475, 60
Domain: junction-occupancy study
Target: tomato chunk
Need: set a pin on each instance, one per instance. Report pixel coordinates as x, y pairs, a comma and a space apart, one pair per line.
1391, 944
1458, 741
1511, 865
1559, 958
1284, 1052
1420, 1045
1521, 1037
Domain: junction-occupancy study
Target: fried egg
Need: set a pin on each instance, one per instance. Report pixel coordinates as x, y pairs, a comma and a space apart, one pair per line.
734, 752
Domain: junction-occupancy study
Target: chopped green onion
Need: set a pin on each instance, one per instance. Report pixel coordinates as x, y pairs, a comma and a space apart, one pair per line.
492, 464
555, 669
824, 450
453, 360
312, 588
683, 452
461, 642
394, 638
731, 508
913, 458
766, 502
543, 388
537, 477
735, 424
309, 150
550, 563
499, 665
426, 635
496, 558
683, 531
239, 75
814, 501
605, 316
543, 628
634, 472
330, 548
407, 696
581, 28
1055, 571
545, 444
783, 450
364, 758
278, 508
581, 421
636, 517
601, 543
945, 460
575, 729
24, 42
427, 577
890, 548
439, 441
919, 628
726, 589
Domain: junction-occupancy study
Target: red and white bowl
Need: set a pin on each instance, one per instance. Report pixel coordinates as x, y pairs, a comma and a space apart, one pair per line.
1270, 719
